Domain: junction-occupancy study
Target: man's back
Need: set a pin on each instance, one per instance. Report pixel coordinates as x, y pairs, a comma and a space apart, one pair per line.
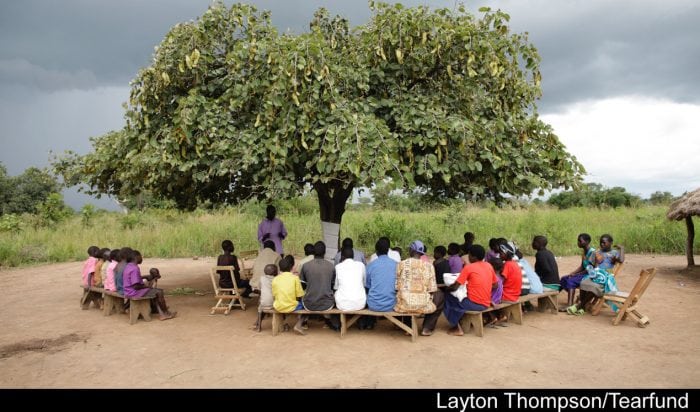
381, 282
319, 275
415, 280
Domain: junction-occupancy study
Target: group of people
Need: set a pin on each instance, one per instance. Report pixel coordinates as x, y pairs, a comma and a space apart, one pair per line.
118, 271
459, 278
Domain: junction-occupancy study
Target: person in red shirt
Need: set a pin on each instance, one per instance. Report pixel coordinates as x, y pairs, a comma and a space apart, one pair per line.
512, 274
480, 279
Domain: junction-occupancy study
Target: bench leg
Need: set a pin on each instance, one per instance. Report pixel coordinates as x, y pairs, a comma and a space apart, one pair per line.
352, 320
140, 307
414, 327
476, 321
514, 313
276, 317
90, 297
547, 302
112, 304
343, 325
401, 325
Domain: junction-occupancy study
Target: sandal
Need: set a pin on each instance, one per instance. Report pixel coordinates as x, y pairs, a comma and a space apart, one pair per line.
572, 310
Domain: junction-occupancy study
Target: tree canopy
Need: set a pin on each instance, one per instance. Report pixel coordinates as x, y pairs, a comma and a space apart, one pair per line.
231, 109
25, 192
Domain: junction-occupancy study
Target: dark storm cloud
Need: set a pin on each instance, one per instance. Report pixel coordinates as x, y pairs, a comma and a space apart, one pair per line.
595, 49
590, 49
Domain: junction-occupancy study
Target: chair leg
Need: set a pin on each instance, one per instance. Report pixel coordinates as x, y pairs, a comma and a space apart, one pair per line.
598, 306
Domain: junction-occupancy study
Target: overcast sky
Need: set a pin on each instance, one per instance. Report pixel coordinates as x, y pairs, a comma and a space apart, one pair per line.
621, 78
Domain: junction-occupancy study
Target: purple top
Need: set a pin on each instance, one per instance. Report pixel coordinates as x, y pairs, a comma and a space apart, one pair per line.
497, 295
274, 228
132, 276
456, 263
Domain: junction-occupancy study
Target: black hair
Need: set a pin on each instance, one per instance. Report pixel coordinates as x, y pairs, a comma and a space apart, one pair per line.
607, 236
453, 248
270, 245
347, 253
478, 252
540, 240
382, 246
93, 251
585, 237
227, 246
469, 237
114, 254
104, 251
124, 253
308, 249
319, 249
440, 251
286, 263
271, 270
347, 242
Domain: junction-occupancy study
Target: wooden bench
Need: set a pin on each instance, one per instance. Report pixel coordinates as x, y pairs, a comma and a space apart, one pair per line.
348, 318
114, 302
512, 310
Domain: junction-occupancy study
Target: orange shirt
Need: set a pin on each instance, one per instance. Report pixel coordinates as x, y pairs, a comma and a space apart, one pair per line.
479, 278
512, 281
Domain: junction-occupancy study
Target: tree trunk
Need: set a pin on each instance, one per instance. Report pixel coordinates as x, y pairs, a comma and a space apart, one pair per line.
332, 198
690, 240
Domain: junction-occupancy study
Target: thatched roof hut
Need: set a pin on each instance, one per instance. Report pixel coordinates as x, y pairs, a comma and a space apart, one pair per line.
686, 207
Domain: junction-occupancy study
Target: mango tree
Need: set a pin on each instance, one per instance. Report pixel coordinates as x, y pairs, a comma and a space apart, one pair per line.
230, 109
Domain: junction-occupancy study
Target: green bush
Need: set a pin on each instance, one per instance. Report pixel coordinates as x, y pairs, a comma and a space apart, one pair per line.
10, 223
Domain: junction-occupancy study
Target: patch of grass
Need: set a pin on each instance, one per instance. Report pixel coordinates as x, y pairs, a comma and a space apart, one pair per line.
169, 233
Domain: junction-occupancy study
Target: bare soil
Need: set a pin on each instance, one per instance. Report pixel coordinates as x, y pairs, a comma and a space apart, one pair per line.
47, 341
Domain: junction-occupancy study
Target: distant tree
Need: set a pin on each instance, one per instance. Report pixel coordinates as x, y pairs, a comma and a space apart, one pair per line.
661, 198
53, 209
24, 193
594, 195
230, 109
6, 189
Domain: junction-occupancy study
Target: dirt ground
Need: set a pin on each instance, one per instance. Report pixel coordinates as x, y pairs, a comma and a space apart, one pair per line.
47, 341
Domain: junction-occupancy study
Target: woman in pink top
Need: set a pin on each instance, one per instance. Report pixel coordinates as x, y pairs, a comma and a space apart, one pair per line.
109, 275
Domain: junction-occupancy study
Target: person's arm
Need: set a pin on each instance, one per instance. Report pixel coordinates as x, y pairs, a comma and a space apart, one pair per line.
236, 268
599, 257
262, 235
621, 258
283, 231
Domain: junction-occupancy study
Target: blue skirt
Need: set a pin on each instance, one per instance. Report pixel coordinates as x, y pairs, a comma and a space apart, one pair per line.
571, 281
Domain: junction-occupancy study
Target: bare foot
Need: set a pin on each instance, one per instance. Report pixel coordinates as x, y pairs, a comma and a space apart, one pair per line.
426, 332
168, 315
299, 330
456, 331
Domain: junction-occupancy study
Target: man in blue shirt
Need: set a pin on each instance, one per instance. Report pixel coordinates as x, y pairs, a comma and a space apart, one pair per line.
380, 283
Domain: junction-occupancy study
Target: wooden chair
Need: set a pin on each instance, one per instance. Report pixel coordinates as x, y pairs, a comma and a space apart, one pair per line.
627, 302
246, 259
617, 268
227, 297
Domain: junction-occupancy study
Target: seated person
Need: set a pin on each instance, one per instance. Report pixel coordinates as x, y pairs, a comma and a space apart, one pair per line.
481, 279
135, 288
573, 280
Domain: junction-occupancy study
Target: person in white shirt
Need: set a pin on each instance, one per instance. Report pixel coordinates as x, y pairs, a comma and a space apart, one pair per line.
349, 282
392, 254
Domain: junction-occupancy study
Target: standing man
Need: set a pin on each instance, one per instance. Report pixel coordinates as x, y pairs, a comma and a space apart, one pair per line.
272, 229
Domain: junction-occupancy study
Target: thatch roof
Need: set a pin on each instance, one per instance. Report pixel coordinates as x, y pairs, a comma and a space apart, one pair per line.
687, 205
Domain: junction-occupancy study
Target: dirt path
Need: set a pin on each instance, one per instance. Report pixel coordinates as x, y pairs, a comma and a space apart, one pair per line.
48, 342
